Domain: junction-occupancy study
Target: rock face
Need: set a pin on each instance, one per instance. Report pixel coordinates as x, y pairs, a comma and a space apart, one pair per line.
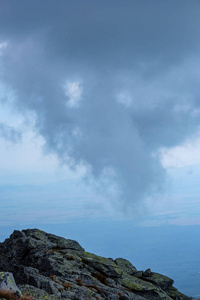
46, 266
7, 282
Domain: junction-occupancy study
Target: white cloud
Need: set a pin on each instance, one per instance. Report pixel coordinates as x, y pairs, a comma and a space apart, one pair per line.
124, 99
26, 156
3, 45
73, 91
27, 159
187, 154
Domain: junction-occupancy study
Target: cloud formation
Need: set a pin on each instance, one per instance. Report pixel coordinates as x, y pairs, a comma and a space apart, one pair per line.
9, 133
110, 83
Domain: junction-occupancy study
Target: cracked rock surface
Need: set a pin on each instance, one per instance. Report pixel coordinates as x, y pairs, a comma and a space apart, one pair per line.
46, 266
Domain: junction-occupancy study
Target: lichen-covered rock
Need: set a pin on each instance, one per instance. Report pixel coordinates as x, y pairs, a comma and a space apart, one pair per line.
49, 267
159, 280
126, 266
105, 265
136, 284
37, 293
33, 277
7, 282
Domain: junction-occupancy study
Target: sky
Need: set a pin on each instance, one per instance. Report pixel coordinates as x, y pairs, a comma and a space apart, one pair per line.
99, 114
99, 110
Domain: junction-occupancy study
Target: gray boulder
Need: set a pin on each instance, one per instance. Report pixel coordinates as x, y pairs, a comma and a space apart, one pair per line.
7, 282
47, 266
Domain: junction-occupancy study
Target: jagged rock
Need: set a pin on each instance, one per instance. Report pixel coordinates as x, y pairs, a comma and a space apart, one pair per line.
7, 282
37, 293
126, 266
32, 276
147, 273
159, 280
50, 267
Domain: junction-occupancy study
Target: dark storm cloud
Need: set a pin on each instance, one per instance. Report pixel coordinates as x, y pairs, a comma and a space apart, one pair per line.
135, 64
99, 30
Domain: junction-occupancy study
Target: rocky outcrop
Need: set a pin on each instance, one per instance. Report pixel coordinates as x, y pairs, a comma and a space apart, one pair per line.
46, 266
7, 282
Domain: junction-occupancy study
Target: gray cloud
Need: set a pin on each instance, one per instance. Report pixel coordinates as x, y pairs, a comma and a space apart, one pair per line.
9, 133
144, 52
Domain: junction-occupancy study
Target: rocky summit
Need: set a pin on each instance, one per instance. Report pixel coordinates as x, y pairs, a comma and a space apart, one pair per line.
41, 265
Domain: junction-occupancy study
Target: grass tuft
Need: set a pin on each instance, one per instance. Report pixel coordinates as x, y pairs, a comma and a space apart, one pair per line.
79, 281
93, 286
100, 277
9, 295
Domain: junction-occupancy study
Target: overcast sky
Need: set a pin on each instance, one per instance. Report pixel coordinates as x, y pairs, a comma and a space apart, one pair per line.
99, 108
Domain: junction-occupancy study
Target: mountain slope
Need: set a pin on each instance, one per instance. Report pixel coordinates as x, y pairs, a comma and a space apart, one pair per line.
46, 266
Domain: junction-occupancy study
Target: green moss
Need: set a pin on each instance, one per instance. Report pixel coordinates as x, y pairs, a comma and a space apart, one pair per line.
38, 234
160, 280
10, 281
9, 278
36, 293
101, 260
136, 284
105, 265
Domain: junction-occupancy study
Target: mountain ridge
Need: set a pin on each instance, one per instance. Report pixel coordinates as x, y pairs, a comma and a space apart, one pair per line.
46, 266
